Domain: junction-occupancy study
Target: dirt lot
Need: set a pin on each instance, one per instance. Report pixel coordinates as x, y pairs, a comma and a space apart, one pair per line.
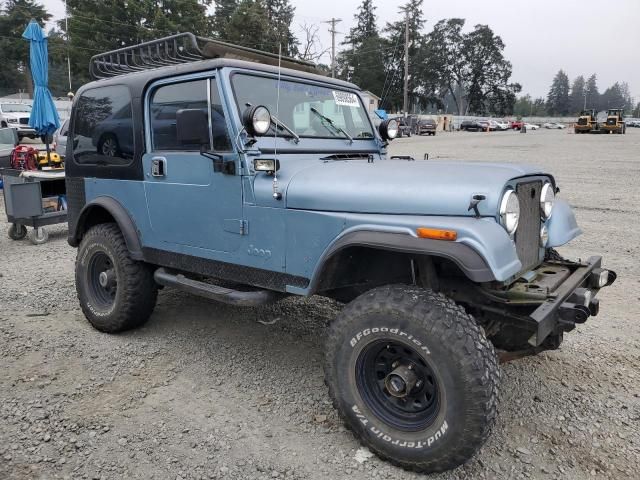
210, 391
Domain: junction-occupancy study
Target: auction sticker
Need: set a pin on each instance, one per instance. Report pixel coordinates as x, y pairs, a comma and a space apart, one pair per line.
346, 99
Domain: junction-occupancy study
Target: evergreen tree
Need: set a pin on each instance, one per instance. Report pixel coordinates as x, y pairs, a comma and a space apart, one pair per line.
100, 25
362, 62
558, 97
591, 90
264, 25
613, 97
419, 87
224, 9
471, 67
577, 95
365, 27
15, 15
280, 15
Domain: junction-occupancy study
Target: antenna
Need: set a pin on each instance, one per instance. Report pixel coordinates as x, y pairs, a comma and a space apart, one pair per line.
276, 194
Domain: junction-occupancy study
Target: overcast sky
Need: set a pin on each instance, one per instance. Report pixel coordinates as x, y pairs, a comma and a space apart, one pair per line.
580, 36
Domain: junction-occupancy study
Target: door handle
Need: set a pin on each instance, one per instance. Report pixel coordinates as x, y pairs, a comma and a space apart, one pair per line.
158, 167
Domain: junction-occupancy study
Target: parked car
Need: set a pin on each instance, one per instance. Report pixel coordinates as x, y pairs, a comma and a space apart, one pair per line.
502, 125
474, 125
426, 126
516, 124
16, 115
554, 126
531, 126
405, 126
438, 264
60, 139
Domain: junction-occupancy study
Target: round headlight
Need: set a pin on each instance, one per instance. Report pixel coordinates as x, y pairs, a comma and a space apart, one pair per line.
257, 120
388, 129
547, 197
510, 211
261, 120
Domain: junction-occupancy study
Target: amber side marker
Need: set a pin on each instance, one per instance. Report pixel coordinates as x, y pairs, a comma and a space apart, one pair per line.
437, 234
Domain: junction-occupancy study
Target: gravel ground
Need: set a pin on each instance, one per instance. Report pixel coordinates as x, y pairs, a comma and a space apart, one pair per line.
211, 391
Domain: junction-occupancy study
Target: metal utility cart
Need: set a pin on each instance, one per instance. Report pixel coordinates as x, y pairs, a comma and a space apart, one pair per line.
24, 192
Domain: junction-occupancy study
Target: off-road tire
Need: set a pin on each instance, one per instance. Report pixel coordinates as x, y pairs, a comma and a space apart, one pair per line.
136, 291
466, 370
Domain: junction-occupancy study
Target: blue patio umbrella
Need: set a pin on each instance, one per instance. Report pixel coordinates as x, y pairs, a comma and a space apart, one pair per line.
44, 117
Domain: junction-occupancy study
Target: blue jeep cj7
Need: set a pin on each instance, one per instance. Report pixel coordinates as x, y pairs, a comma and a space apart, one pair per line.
248, 180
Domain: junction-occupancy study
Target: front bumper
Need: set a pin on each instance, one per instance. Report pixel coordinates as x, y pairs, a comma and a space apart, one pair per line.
572, 301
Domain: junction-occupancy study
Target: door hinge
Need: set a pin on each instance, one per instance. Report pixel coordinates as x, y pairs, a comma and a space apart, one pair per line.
236, 226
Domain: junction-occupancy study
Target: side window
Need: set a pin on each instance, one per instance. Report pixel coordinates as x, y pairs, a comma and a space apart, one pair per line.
103, 127
168, 99
219, 133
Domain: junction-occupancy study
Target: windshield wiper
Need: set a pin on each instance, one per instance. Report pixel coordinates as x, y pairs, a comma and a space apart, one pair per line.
278, 123
330, 122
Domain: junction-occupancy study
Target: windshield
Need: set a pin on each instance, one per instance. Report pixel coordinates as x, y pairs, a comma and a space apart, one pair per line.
297, 104
15, 107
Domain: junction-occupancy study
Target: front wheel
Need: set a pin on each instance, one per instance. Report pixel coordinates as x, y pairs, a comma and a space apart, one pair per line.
413, 376
116, 293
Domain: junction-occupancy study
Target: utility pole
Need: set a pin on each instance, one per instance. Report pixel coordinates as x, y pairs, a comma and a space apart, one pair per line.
405, 103
66, 27
333, 32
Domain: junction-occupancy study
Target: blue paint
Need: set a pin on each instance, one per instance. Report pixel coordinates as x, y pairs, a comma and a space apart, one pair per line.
196, 211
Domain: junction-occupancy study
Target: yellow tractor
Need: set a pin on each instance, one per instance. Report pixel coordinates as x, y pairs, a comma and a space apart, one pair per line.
615, 122
586, 122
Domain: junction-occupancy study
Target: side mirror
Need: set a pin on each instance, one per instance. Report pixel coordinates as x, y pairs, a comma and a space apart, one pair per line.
192, 127
268, 165
388, 129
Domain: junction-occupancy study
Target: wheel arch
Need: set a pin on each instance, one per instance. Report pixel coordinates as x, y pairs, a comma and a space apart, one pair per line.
395, 245
107, 210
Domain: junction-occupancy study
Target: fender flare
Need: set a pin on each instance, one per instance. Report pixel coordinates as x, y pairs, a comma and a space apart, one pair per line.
122, 218
472, 264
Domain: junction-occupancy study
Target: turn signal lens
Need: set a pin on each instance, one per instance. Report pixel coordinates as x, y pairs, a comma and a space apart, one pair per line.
437, 234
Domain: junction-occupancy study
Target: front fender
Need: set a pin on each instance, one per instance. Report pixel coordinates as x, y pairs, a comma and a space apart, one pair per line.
562, 226
483, 249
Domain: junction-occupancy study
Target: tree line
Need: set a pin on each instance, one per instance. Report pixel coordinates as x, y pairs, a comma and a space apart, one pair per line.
567, 98
452, 67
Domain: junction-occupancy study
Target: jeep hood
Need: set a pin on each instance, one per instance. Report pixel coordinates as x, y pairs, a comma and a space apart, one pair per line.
421, 187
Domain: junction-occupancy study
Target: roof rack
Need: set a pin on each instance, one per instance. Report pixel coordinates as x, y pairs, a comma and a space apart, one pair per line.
182, 48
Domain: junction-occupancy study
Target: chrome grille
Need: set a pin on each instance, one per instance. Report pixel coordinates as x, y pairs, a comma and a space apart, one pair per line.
528, 233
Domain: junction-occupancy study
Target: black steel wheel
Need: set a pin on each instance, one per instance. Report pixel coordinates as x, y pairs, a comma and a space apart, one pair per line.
398, 385
102, 280
413, 376
116, 293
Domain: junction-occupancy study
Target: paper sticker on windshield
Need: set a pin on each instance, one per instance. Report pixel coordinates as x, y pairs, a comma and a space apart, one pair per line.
346, 99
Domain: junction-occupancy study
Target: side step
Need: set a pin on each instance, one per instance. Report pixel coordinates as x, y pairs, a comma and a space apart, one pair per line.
253, 298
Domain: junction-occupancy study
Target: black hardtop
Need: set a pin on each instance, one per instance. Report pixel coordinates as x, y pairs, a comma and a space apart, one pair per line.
138, 81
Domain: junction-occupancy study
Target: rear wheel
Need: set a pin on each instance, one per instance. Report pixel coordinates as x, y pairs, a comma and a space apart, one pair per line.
116, 293
413, 376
